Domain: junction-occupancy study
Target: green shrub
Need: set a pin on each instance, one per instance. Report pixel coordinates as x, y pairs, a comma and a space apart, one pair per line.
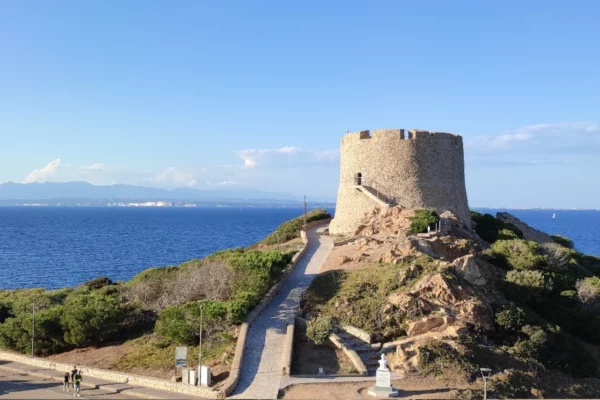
564, 352
15, 333
98, 283
423, 219
319, 329
533, 345
440, 359
520, 254
522, 286
563, 241
91, 319
5, 311
181, 324
236, 311
172, 324
491, 229
509, 318
291, 229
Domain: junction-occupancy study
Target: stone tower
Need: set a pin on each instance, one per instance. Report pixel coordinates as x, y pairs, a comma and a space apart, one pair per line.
412, 169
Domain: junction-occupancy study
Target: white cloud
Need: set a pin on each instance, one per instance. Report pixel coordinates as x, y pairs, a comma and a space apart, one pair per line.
43, 174
288, 156
552, 143
267, 169
539, 136
175, 176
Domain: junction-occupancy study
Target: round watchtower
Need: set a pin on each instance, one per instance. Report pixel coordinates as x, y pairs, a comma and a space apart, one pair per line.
412, 169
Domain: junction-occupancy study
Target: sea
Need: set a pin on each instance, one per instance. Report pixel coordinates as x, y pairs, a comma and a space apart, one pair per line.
54, 247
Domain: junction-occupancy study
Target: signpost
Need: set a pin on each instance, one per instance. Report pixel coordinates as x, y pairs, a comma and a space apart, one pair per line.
181, 357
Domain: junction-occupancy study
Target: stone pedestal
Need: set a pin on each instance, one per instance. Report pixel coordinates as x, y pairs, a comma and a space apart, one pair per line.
383, 382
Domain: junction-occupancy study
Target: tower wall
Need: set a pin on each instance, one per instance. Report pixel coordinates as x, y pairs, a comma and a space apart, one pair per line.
416, 168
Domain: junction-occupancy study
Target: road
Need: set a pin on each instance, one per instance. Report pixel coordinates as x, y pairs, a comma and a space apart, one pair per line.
21, 386
262, 363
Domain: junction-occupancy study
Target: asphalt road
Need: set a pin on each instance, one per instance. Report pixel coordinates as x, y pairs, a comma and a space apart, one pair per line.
20, 386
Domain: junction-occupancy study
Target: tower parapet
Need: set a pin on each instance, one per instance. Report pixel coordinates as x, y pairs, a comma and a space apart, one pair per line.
413, 168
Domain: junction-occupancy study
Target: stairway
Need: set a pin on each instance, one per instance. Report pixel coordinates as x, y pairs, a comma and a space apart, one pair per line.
377, 197
368, 353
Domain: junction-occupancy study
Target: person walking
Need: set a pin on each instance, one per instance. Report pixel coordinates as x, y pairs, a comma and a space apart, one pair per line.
73, 372
66, 382
77, 384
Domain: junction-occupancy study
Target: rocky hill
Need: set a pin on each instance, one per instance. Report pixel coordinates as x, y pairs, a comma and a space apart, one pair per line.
445, 303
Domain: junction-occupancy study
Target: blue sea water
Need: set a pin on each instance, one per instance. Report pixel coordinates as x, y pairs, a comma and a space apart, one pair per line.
56, 247
582, 226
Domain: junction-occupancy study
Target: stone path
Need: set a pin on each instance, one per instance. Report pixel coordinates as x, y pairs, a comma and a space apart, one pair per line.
262, 365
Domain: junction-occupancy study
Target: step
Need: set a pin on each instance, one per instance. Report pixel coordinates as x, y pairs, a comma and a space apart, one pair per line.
364, 349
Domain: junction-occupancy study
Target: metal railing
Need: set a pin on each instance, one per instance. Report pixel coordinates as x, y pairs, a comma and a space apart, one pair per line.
376, 190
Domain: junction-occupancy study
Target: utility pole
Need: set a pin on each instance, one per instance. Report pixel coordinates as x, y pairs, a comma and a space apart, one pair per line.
304, 213
33, 329
200, 344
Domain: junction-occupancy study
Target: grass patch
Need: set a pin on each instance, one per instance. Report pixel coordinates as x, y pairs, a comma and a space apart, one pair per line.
359, 297
291, 229
150, 352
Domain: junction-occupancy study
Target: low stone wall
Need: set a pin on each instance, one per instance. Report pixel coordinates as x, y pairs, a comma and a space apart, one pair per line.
120, 377
288, 347
234, 374
359, 333
351, 354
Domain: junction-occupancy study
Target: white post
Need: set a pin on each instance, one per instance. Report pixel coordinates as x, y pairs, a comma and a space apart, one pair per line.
200, 347
484, 388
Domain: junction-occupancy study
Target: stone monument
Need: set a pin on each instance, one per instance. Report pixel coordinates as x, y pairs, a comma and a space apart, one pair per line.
383, 381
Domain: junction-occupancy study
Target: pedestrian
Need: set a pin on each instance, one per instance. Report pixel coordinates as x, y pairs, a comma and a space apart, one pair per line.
77, 384
73, 372
66, 382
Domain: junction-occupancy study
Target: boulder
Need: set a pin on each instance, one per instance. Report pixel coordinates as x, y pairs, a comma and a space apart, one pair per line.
425, 325
344, 260
468, 269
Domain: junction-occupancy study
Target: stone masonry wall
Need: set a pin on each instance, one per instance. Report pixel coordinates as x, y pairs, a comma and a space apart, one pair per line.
419, 169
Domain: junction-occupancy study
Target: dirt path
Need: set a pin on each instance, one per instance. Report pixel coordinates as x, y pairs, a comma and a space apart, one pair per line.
261, 368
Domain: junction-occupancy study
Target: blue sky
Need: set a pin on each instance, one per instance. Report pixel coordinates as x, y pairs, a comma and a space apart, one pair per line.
258, 94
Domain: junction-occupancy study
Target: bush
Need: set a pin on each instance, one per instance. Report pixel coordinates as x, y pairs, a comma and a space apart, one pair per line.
511, 319
564, 352
91, 319
423, 219
291, 229
440, 359
563, 241
520, 254
98, 283
491, 229
522, 286
588, 291
533, 345
319, 329
181, 324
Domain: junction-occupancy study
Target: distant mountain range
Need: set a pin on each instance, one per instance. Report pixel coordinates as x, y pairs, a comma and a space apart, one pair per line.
82, 190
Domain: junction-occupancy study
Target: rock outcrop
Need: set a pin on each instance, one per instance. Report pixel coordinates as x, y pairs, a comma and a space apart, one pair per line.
437, 296
529, 233
469, 269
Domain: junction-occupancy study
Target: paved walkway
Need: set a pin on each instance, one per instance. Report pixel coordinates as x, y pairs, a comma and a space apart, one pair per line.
24, 381
15, 385
261, 368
